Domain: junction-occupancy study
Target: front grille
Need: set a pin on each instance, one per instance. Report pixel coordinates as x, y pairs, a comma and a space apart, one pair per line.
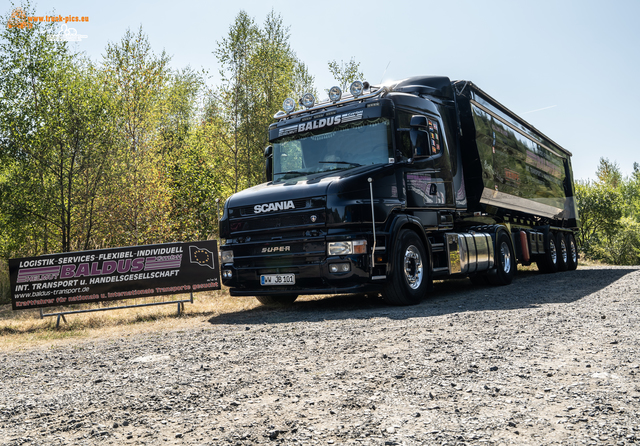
278, 221
308, 214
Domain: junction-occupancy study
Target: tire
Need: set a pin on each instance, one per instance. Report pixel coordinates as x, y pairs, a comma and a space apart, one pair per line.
410, 279
563, 253
548, 263
277, 300
572, 252
505, 261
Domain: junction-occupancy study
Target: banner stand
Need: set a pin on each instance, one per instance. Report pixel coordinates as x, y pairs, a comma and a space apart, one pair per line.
61, 314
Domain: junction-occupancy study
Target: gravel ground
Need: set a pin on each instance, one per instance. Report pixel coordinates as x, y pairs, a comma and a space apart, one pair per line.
551, 359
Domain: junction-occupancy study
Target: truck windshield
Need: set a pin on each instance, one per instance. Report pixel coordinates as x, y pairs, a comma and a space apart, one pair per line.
339, 147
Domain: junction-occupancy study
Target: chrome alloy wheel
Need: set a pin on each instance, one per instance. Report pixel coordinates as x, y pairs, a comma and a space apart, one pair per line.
413, 267
573, 251
563, 251
553, 252
505, 252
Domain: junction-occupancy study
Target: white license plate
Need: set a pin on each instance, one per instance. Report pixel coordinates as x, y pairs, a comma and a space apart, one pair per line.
278, 279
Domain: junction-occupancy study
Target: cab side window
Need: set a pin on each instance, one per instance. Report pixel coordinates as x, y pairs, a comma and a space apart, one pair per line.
404, 141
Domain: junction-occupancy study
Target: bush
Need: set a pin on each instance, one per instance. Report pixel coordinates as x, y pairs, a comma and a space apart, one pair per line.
619, 248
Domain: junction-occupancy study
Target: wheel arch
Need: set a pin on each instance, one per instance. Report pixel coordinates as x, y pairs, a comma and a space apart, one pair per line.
404, 221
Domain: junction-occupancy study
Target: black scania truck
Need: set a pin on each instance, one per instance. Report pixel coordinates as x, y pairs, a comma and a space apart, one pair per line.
393, 186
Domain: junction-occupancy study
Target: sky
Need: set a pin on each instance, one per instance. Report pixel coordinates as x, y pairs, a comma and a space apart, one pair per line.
570, 68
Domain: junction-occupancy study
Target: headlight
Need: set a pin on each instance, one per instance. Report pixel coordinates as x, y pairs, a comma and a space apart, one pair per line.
335, 94
289, 105
347, 247
226, 256
308, 100
356, 88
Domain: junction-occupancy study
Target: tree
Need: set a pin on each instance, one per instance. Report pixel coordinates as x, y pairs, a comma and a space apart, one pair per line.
345, 74
609, 173
600, 209
55, 139
138, 202
259, 70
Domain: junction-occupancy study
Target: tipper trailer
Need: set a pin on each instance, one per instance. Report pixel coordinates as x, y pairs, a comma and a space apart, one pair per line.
393, 186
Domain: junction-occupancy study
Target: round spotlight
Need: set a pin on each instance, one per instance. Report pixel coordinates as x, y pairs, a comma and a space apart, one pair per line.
335, 94
356, 88
289, 105
308, 100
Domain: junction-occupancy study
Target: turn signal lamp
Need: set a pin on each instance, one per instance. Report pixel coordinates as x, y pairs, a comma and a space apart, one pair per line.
308, 100
289, 105
356, 88
335, 94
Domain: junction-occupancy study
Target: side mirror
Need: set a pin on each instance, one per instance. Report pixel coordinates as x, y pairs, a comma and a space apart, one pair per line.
419, 142
419, 135
418, 122
268, 163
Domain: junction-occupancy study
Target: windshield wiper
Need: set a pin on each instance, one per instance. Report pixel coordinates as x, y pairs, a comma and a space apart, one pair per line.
291, 172
340, 162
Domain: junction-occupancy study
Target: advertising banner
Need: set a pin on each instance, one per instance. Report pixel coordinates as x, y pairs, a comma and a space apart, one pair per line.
114, 274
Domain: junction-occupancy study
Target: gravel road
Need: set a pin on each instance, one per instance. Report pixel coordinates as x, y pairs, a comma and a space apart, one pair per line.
550, 359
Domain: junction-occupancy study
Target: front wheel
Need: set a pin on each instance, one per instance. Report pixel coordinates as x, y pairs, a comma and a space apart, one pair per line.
277, 300
505, 261
410, 278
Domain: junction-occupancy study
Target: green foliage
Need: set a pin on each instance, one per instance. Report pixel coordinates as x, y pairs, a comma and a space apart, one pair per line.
609, 210
129, 151
55, 138
600, 209
609, 173
259, 70
345, 74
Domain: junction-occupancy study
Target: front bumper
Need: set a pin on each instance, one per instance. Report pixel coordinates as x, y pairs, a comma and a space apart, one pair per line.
310, 278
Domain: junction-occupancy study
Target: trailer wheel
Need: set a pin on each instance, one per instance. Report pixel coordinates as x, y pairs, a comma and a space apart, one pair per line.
563, 252
274, 300
572, 252
548, 263
505, 261
410, 279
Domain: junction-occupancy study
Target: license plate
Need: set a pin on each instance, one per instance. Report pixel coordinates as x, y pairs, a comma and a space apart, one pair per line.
278, 279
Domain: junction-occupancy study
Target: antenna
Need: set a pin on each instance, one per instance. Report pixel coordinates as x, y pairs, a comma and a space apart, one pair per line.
385, 71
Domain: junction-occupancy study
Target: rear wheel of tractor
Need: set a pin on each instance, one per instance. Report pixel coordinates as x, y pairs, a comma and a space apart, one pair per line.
563, 252
549, 261
410, 278
505, 261
572, 252
277, 300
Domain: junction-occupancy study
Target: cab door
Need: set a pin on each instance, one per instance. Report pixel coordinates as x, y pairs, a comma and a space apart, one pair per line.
428, 178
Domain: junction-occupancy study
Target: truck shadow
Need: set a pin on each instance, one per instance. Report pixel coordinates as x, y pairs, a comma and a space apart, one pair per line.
530, 289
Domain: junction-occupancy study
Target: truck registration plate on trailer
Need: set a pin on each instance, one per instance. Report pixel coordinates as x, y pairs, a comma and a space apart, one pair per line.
278, 279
